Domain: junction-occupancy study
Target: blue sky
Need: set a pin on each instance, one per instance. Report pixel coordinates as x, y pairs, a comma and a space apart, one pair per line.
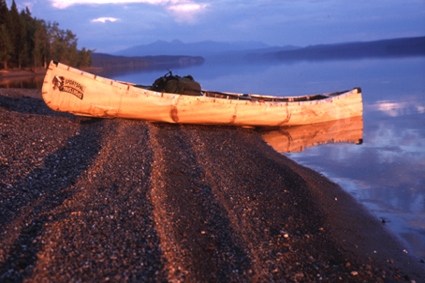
112, 25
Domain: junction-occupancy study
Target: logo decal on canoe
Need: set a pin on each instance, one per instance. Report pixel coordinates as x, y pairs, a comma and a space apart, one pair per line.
69, 86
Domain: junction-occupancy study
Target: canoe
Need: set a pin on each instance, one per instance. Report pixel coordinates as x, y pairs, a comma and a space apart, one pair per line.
67, 89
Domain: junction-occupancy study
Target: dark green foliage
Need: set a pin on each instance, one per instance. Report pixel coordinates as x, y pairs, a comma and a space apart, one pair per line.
4, 13
18, 36
84, 58
5, 41
28, 42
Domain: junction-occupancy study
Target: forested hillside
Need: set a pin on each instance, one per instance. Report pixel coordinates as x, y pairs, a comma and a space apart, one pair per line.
28, 42
396, 47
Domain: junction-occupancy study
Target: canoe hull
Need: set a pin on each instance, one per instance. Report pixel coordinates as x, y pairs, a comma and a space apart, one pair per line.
71, 90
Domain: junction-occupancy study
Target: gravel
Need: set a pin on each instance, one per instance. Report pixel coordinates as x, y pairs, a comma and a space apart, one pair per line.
95, 200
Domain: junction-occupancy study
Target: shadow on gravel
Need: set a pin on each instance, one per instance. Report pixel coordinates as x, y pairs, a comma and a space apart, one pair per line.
47, 187
29, 105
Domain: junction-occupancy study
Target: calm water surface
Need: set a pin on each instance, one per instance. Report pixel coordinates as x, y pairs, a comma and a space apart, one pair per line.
387, 171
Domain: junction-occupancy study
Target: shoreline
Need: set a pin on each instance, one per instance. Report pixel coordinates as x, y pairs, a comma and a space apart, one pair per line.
142, 201
8, 74
13, 73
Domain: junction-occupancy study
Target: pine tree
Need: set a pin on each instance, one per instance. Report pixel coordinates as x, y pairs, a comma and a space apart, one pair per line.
39, 51
17, 36
29, 27
5, 46
28, 42
5, 41
4, 12
84, 58
70, 42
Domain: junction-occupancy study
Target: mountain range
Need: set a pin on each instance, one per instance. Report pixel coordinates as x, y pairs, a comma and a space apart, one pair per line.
202, 48
254, 50
163, 54
399, 47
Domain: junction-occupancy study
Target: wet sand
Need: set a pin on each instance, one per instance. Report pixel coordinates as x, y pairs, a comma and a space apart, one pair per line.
86, 199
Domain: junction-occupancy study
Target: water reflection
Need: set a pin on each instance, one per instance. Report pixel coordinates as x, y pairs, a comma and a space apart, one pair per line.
386, 173
398, 108
299, 138
22, 82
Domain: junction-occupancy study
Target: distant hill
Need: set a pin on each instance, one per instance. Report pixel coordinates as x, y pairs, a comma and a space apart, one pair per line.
107, 61
414, 46
254, 51
245, 56
203, 48
162, 54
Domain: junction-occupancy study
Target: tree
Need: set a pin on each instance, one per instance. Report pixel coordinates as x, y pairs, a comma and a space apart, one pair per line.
5, 45
17, 36
70, 44
39, 51
5, 41
29, 42
4, 12
84, 58
29, 26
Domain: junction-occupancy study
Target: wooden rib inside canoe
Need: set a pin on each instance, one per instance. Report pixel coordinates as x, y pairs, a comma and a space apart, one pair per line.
71, 90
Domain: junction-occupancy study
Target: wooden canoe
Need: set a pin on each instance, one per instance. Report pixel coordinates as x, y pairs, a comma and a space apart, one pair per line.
67, 89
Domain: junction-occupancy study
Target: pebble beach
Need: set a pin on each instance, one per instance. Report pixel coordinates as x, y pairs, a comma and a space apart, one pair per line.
115, 200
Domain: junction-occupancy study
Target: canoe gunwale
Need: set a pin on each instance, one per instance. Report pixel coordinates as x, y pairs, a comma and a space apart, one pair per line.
210, 94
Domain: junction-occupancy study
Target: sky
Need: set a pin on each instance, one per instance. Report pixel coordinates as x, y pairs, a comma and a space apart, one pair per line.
112, 25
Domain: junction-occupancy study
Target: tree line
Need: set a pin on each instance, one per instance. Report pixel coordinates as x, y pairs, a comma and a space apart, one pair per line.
28, 42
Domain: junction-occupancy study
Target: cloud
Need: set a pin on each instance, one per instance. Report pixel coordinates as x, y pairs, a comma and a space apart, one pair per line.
185, 8
104, 19
62, 4
186, 12
183, 11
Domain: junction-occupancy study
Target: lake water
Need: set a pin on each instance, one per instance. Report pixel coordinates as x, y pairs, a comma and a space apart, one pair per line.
386, 172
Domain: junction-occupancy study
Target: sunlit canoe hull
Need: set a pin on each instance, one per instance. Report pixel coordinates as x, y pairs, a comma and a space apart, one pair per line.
71, 90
